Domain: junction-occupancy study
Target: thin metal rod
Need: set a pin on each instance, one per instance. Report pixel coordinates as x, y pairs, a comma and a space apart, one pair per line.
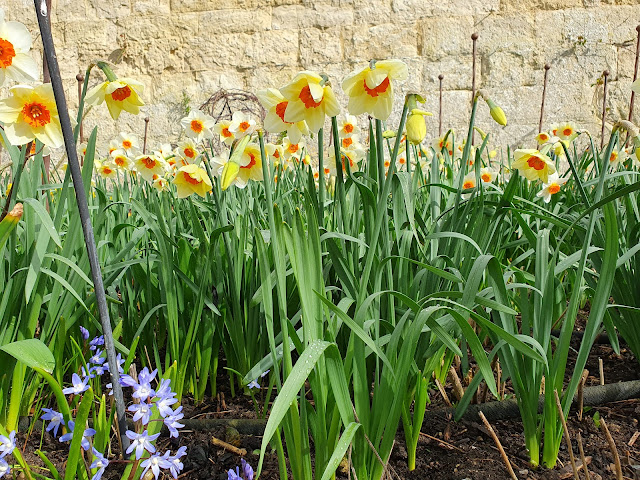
474, 38
146, 131
605, 74
80, 79
46, 78
544, 95
635, 73
440, 77
83, 208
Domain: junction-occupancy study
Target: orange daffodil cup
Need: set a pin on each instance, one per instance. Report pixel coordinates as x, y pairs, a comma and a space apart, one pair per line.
370, 89
533, 164
119, 94
30, 113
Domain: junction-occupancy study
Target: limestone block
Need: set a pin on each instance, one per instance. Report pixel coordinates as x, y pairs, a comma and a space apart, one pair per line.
270, 77
298, 16
626, 57
440, 37
533, 5
585, 26
276, 47
381, 42
186, 6
63, 11
549, 28
235, 21
506, 32
508, 68
320, 47
372, 12
109, 9
622, 22
456, 71
152, 7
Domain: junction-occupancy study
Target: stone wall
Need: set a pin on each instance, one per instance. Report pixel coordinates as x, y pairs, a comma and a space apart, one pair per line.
185, 50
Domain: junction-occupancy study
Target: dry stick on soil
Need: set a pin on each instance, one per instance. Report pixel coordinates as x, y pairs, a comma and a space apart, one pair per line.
567, 437
601, 370
499, 445
614, 450
443, 393
241, 452
448, 445
458, 389
583, 379
582, 457
633, 439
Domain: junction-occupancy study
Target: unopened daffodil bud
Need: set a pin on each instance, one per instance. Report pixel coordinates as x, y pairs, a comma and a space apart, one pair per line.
497, 113
416, 128
229, 174
481, 132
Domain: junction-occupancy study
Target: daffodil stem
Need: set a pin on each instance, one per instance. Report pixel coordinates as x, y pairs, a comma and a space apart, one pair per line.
321, 177
83, 208
380, 153
340, 194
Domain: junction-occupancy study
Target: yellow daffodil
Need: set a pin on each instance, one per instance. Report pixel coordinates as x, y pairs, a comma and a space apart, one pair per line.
198, 125
551, 187
160, 184
310, 98
119, 94
291, 149
533, 164
15, 61
370, 89
192, 179
120, 159
439, 144
566, 131
129, 143
106, 169
251, 169
487, 175
226, 135
616, 158
275, 104
148, 166
348, 126
242, 124
188, 151
30, 113
544, 137
275, 154
416, 128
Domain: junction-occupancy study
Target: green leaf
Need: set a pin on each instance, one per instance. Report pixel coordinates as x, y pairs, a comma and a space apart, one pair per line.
31, 352
340, 450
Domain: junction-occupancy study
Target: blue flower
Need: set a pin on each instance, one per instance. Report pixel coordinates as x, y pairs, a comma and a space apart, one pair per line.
231, 475
176, 464
247, 471
253, 384
85, 333
100, 463
141, 442
4, 468
171, 421
96, 342
89, 432
155, 463
55, 420
7, 444
142, 412
79, 386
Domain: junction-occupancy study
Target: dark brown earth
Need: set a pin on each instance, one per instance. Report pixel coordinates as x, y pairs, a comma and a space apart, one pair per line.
468, 452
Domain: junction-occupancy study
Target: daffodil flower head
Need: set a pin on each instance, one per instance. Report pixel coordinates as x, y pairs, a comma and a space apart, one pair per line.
188, 151
546, 137
416, 128
487, 175
370, 89
242, 124
30, 113
15, 61
226, 136
468, 183
276, 105
149, 165
292, 149
192, 179
118, 93
310, 98
106, 169
566, 131
533, 164
197, 125
348, 126
121, 160
275, 154
551, 187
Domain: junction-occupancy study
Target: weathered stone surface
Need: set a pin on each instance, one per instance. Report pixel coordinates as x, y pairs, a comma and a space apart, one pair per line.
185, 50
